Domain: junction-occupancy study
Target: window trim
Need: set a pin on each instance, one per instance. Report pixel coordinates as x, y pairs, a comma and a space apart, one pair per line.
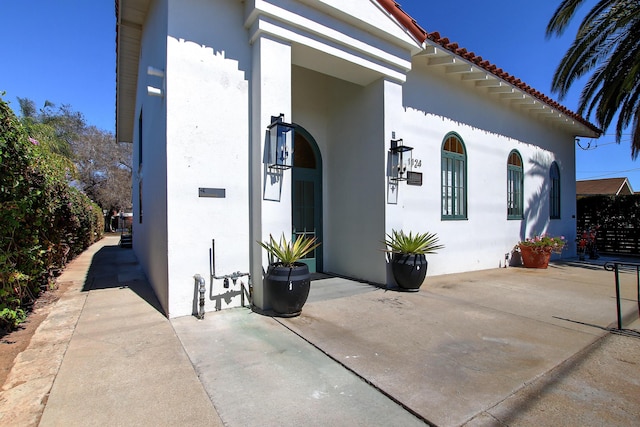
456, 158
518, 197
140, 167
555, 192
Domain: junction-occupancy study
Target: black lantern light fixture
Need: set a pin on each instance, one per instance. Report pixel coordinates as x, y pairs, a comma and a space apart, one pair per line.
280, 150
398, 170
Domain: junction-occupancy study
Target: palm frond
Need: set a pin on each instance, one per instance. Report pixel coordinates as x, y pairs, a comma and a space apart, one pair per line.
562, 16
607, 45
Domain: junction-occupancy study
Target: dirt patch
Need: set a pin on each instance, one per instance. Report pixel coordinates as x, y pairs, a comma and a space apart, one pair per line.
14, 342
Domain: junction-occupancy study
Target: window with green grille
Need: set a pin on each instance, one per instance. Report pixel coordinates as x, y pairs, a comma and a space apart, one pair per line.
515, 185
454, 178
554, 191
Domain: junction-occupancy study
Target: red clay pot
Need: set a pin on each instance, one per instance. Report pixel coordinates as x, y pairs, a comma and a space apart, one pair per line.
534, 259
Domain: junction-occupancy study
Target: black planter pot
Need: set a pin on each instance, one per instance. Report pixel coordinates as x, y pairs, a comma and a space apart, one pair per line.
287, 288
409, 270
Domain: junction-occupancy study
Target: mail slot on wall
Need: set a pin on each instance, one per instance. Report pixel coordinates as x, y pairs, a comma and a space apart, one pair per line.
219, 193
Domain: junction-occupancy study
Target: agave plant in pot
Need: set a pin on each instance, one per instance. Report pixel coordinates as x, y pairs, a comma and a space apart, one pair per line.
287, 281
408, 260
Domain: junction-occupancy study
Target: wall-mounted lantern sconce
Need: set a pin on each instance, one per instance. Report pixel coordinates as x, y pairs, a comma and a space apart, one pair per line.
398, 159
280, 151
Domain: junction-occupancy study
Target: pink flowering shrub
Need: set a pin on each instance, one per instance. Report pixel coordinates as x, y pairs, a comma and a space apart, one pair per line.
544, 243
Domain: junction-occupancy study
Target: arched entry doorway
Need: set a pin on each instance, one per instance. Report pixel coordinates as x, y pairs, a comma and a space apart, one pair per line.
306, 193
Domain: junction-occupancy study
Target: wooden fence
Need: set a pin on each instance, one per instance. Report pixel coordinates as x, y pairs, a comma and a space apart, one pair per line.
624, 241
617, 219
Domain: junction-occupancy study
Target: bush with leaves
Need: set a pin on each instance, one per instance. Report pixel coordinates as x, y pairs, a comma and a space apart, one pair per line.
43, 220
100, 167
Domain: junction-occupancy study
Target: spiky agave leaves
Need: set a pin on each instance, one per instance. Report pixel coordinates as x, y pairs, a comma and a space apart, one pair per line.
287, 253
418, 243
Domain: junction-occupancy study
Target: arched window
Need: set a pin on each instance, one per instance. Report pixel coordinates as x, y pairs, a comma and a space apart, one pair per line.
454, 178
554, 191
515, 184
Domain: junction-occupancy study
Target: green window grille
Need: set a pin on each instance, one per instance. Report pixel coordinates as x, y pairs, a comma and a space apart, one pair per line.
515, 185
454, 178
554, 192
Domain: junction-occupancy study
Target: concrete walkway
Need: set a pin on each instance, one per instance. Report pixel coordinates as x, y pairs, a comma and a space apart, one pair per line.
105, 356
512, 346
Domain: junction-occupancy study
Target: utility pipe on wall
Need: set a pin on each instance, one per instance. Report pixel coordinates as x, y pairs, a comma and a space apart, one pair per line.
201, 289
248, 291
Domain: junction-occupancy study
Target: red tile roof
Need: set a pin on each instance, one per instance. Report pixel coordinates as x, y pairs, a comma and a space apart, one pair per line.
403, 17
422, 35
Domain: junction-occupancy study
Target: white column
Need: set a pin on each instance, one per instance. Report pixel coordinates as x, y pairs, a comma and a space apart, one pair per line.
270, 192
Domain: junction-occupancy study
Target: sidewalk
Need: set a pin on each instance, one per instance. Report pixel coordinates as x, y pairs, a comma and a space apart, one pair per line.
512, 346
113, 359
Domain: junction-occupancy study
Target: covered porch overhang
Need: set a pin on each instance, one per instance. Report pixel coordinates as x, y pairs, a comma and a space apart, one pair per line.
322, 47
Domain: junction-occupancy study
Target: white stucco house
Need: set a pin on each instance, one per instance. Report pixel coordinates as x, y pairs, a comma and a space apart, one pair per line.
198, 82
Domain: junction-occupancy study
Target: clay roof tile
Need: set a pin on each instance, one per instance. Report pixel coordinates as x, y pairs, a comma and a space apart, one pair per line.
421, 35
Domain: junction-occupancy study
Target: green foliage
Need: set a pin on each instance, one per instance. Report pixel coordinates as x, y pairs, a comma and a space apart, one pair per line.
607, 45
43, 220
104, 168
288, 253
419, 243
613, 221
612, 212
89, 156
12, 317
544, 243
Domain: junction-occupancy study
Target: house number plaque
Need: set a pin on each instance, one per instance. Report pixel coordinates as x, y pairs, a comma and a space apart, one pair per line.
414, 178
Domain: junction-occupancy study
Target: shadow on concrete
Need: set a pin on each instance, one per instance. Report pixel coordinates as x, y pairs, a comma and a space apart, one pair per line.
597, 264
565, 264
626, 332
115, 267
546, 384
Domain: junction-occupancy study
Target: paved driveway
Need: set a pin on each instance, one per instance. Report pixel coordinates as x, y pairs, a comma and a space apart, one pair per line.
467, 347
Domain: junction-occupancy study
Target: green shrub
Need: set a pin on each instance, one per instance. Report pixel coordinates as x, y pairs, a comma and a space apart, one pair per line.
44, 221
12, 317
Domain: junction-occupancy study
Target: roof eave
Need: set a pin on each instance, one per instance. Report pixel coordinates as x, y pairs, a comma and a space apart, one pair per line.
487, 75
130, 16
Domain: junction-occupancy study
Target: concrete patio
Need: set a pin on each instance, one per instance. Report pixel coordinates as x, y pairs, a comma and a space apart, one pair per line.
499, 347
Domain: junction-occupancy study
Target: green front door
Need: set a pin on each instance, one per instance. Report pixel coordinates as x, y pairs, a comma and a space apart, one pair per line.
306, 193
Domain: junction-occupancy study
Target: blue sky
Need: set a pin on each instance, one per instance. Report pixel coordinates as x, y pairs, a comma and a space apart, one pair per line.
64, 51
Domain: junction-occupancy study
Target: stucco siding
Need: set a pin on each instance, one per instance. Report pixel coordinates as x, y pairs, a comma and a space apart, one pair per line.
150, 234
347, 122
208, 136
490, 130
355, 169
345, 73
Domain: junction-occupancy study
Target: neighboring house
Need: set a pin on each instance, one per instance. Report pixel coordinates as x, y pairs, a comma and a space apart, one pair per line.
604, 187
198, 82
